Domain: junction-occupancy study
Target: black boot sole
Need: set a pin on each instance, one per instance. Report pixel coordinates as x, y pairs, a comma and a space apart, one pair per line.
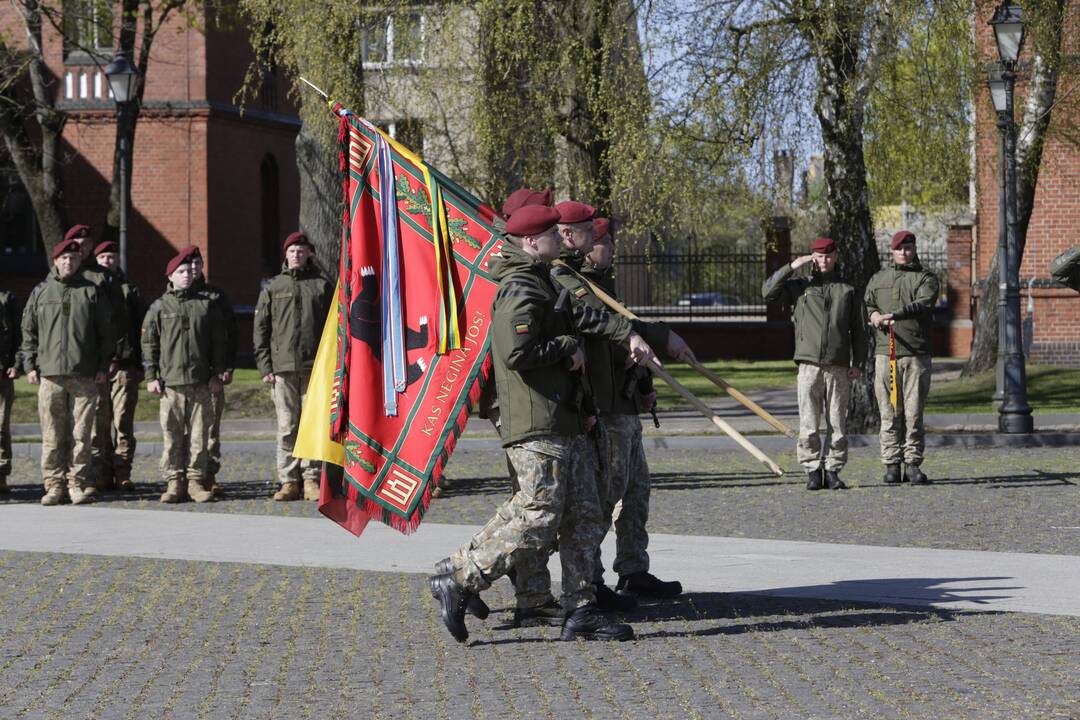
571, 635
444, 612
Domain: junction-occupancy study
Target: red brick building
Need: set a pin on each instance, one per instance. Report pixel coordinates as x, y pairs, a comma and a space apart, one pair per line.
203, 173
1055, 221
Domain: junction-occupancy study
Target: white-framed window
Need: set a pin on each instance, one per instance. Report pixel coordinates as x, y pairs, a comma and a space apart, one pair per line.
88, 27
392, 38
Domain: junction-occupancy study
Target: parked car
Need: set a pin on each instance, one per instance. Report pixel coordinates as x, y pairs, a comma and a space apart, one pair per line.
707, 299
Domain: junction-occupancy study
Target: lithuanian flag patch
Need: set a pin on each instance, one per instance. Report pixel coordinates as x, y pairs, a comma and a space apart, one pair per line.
581, 292
521, 328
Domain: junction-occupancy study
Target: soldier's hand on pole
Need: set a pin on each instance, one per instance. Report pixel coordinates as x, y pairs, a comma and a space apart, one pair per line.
577, 360
679, 349
114, 367
854, 373
880, 320
12, 373
268, 378
640, 351
33, 377
154, 387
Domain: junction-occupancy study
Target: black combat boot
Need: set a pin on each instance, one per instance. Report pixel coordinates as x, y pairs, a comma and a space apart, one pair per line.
892, 474
833, 481
452, 599
588, 623
476, 607
550, 614
814, 482
916, 476
607, 599
644, 584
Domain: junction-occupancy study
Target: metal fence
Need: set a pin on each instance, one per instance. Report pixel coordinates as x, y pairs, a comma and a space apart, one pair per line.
708, 284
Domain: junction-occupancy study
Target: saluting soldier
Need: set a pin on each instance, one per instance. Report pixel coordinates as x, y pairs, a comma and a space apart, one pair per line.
901, 299
537, 362
184, 353
67, 345
830, 344
115, 424
9, 370
289, 318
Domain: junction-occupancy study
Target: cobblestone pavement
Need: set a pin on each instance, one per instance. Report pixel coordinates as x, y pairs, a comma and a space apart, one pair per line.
93, 637
1016, 500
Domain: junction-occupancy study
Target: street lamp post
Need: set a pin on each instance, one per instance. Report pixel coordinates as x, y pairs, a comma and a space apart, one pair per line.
122, 79
1014, 414
997, 95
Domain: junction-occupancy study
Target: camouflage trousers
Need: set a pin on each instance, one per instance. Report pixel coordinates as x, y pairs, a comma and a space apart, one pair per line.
213, 433
624, 494
556, 500
185, 423
289, 391
66, 407
114, 428
7, 397
822, 390
902, 436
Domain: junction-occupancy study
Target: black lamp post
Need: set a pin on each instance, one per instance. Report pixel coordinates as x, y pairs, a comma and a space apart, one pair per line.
996, 82
122, 81
1014, 414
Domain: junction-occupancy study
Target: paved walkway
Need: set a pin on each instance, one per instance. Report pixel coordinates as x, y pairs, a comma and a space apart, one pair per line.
950, 579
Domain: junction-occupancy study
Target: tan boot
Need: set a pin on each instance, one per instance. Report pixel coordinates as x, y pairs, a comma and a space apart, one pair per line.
53, 496
81, 495
311, 489
198, 493
289, 491
174, 493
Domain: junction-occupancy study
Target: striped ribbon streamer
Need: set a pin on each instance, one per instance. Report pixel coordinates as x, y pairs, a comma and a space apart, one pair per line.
393, 324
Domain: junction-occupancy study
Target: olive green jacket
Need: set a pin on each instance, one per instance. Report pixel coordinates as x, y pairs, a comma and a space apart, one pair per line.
289, 319
1066, 268
909, 293
830, 326
9, 332
108, 282
67, 328
128, 347
221, 300
183, 338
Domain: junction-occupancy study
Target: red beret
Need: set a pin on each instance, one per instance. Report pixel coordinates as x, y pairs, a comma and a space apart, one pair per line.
572, 211
77, 231
823, 245
532, 220
65, 246
525, 196
294, 238
182, 258
107, 247
600, 227
189, 252
902, 237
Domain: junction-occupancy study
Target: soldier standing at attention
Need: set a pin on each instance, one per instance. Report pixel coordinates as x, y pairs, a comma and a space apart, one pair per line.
537, 361
9, 370
116, 411
217, 390
67, 344
830, 343
184, 345
901, 300
289, 318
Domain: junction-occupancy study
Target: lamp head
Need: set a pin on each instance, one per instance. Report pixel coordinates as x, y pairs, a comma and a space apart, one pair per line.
1008, 24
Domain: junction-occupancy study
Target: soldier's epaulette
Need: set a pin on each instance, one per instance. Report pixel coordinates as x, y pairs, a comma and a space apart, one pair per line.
517, 288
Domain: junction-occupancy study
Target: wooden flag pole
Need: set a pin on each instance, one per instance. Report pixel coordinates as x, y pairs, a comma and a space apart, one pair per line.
706, 372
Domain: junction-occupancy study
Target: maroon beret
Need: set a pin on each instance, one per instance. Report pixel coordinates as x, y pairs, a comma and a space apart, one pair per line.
572, 211
65, 246
294, 238
526, 196
823, 245
191, 251
77, 232
532, 220
600, 227
182, 258
902, 237
107, 247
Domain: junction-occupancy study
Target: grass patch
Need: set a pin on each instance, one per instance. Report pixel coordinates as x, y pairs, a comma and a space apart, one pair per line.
1051, 389
745, 375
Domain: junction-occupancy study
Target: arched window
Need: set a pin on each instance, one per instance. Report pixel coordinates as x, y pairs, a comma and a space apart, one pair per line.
269, 213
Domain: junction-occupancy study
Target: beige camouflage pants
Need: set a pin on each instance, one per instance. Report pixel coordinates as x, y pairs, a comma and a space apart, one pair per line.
66, 407
7, 397
822, 390
213, 433
902, 436
626, 500
185, 420
289, 391
114, 428
557, 500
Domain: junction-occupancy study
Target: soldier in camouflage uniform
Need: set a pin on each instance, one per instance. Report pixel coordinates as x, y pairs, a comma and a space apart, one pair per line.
830, 344
289, 317
9, 370
903, 297
537, 359
67, 344
184, 352
114, 428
